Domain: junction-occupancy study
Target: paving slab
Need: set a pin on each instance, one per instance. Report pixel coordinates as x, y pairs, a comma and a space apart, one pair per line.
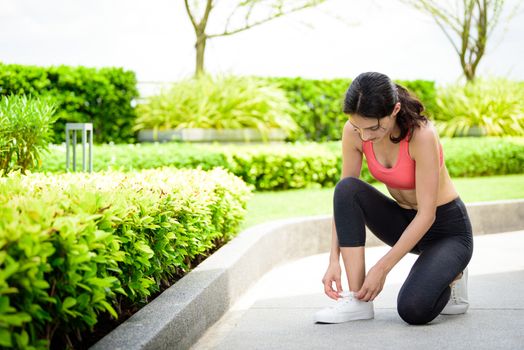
276, 313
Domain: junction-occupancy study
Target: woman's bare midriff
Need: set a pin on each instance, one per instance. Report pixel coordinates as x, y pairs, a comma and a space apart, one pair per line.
407, 198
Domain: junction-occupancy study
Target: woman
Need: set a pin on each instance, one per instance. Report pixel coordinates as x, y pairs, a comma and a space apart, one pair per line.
426, 217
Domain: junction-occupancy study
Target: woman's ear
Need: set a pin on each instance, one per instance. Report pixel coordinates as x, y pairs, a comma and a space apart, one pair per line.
397, 108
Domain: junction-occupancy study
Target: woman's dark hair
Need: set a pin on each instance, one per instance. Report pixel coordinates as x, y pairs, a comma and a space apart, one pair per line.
374, 95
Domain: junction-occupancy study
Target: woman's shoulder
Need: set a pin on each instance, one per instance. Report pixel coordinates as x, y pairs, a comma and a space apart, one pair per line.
423, 138
352, 137
426, 132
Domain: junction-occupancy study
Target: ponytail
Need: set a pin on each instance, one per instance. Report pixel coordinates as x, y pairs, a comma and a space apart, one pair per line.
410, 114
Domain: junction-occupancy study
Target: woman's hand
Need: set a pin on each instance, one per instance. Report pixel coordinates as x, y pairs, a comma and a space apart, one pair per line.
332, 275
373, 284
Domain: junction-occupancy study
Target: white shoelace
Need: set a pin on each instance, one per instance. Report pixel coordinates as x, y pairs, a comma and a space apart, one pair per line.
454, 297
453, 294
343, 300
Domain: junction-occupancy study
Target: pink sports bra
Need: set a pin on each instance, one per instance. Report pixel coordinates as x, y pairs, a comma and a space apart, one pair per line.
402, 174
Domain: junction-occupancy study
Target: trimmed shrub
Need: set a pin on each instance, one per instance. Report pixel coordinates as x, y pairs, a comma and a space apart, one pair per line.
76, 247
25, 131
292, 165
269, 167
102, 96
484, 156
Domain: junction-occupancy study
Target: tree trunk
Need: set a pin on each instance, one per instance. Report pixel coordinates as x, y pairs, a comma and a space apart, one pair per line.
200, 51
468, 72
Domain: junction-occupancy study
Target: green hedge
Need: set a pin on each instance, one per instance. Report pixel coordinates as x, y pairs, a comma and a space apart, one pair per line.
484, 156
266, 167
298, 165
318, 104
74, 248
102, 96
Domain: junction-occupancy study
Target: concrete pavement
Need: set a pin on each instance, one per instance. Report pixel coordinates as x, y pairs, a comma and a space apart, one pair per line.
276, 313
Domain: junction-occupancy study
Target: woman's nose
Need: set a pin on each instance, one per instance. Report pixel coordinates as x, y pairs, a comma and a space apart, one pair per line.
364, 136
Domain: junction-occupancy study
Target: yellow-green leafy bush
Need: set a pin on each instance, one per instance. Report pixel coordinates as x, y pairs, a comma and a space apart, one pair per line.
73, 246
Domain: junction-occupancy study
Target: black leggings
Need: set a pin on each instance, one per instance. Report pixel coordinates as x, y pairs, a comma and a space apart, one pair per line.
444, 251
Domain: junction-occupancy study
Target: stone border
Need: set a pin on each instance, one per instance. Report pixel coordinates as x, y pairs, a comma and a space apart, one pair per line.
179, 316
211, 135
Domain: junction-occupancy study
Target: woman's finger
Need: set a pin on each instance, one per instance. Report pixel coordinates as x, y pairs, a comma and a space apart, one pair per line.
362, 292
339, 285
368, 295
328, 289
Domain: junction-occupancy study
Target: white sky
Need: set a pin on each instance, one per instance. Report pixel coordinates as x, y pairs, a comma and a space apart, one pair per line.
155, 39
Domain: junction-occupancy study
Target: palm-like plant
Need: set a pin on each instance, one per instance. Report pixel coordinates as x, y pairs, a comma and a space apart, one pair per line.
25, 131
487, 107
221, 102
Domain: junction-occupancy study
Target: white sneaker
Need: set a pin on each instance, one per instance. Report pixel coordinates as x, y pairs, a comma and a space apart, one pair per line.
458, 301
347, 308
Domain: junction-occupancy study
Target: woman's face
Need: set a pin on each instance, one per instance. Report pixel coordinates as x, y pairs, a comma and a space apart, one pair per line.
374, 130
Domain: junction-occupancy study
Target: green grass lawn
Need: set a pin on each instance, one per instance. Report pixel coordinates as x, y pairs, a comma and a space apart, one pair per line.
267, 206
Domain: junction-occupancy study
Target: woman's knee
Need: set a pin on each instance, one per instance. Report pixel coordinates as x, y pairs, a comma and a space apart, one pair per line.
414, 310
348, 186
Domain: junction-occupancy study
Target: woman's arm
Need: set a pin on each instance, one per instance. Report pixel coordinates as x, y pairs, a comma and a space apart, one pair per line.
426, 155
334, 256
